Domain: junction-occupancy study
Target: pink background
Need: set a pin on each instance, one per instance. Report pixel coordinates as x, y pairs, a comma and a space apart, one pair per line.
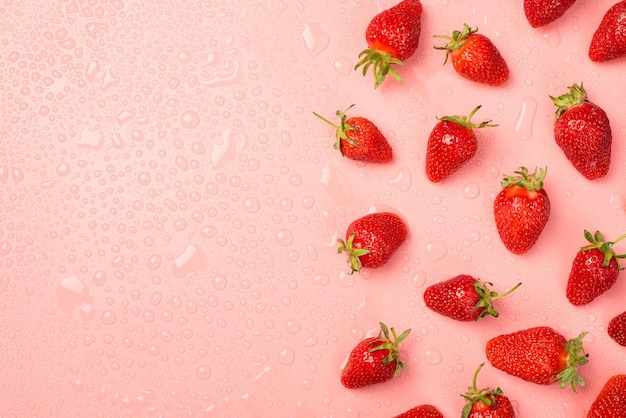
169, 207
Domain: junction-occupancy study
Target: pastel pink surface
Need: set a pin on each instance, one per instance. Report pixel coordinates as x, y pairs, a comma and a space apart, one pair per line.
169, 208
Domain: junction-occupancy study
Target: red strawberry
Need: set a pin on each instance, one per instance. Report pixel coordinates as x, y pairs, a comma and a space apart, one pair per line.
609, 40
583, 132
611, 401
463, 298
594, 271
475, 57
422, 411
451, 144
539, 355
486, 403
521, 210
392, 37
373, 239
359, 139
374, 360
541, 12
617, 329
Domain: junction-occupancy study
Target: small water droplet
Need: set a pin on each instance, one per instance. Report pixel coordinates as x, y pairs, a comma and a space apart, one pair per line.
315, 39
292, 326
203, 372
284, 237
343, 65
617, 201
91, 139
419, 279
287, 356
402, 181
471, 190
436, 250
432, 356
552, 38
108, 317
524, 124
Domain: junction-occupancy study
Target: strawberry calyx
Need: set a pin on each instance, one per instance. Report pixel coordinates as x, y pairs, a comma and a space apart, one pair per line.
576, 97
487, 297
474, 396
576, 357
353, 253
466, 121
384, 342
532, 182
341, 129
597, 241
381, 63
456, 41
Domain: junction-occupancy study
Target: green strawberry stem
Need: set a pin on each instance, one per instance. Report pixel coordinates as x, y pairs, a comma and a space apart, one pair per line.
474, 395
381, 63
598, 242
466, 121
391, 345
342, 128
577, 357
576, 96
353, 253
487, 297
532, 182
456, 41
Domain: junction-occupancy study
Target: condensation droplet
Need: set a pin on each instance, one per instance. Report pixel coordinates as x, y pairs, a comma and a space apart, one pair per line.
617, 201
219, 283
524, 125
552, 38
432, 356
419, 279
190, 119
287, 356
108, 317
436, 250
402, 181
337, 186
203, 372
343, 65
471, 190
315, 39
292, 326
284, 237
251, 205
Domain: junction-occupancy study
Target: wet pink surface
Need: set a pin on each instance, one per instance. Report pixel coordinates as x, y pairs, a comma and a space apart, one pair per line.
169, 208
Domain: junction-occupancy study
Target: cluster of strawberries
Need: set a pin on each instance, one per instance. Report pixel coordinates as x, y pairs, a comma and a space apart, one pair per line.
521, 210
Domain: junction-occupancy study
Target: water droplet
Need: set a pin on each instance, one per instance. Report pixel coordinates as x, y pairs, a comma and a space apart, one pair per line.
573, 409
432, 356
91, 139
190, 119
251, 205
287, 356
471, 190
321, 279
108, 317
343, 65
219, 283
402, 181
192, 259
63, 169
419, 279
552, 38
617, 201
284, 237
524, 125
292, 326
436, 250
203, 372
315, 39
337, 186
225, 151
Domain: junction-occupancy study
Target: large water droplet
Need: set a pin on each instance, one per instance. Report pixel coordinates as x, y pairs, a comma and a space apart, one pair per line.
524, 124
315, 39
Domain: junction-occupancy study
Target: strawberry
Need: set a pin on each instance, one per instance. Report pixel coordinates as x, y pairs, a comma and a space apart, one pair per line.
611, 401
609, 39
521, 210
463, 298
451, 144
539, 355
374, 360
486, 403
617, 329
373, 239
594, 271
392, 37
475, 57
422, 411
583, 132
359, 139
541, 12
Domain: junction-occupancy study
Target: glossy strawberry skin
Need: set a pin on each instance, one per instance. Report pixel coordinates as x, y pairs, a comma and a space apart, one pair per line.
368, 142
396, 30
584, 134
536, 355
479, 60
611, 401
588, 279
520, 216
542, 12
609, 39
455, 298
500, 407
450, 146
617, 329
422, 411
365, 367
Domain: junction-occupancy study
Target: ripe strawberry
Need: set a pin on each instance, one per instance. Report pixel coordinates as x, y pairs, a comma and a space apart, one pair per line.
609, 40
486, 403
611, 401
359, 139
541, 12
539, 355
594, 271
374, 360
373, 239
521, 210
617, 329
475, 57
583, 132
451, 144
422, 411
463, 298
392, 37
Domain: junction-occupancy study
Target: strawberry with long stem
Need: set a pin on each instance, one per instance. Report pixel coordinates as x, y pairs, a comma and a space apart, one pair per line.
595, 269
486, 402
